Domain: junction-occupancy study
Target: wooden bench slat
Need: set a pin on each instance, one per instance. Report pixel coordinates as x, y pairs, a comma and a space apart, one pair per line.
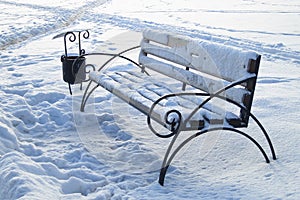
202, 82
140, 91
212, 58
166, 53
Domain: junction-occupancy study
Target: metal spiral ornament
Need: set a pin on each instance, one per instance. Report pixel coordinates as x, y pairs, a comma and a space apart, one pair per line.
72, 38
173, 119
88, 68
82, 51
86, 34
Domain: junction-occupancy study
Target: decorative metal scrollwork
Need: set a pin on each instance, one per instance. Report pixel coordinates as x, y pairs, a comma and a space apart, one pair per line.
87, 69
173, 119
85, 35
89, 66
72, 38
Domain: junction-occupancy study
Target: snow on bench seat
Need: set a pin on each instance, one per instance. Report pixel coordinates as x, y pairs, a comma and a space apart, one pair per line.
141, 91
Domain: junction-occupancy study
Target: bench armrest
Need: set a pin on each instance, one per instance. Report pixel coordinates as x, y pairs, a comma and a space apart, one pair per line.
173, 118
217, 94
112, 55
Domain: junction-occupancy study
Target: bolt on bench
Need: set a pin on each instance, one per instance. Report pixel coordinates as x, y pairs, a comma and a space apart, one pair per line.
210, 76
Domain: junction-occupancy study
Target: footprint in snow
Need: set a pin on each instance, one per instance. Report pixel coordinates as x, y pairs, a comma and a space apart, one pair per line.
273, 80
17, 75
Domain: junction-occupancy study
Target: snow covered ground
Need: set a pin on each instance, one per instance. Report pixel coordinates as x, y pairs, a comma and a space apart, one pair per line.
49, 150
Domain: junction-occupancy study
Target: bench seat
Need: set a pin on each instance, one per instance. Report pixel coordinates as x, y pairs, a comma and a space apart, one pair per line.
141, 91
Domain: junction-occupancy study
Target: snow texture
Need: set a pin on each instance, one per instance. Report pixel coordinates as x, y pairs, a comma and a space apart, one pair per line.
51, 150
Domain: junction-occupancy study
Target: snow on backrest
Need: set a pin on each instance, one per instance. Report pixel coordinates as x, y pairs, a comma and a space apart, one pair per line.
211, 58
205, 65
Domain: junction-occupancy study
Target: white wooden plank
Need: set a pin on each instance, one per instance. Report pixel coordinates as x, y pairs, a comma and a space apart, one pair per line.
204, 83
215, 59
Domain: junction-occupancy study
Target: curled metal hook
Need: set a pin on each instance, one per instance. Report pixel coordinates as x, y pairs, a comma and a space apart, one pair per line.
89, 66
72, 38
173, 118
86, 34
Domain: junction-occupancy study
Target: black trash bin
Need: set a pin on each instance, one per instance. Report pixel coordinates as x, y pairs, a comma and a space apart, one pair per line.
73, 72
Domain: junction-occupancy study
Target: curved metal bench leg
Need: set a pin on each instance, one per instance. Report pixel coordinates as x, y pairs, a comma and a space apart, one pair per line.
164, 166
86, 95
168, 162
266, 135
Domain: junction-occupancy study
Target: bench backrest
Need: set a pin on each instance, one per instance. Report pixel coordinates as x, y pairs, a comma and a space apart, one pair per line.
202, 64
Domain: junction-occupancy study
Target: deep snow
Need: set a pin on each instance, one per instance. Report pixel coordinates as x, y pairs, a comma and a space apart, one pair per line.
50, 150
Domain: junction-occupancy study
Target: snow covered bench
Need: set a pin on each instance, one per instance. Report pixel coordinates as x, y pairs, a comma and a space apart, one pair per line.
216, 89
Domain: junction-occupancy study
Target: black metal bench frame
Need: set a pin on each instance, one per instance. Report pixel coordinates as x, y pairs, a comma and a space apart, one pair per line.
180, 125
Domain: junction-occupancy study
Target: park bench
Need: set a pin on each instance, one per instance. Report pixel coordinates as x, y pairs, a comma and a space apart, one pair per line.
215, 88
